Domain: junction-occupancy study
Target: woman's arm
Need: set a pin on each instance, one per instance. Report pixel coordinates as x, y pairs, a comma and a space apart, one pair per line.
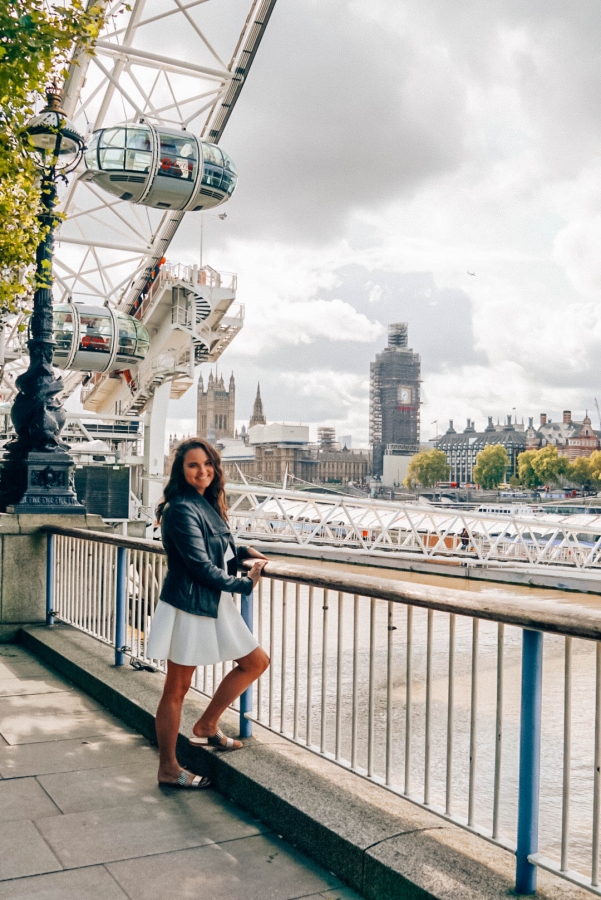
256, 554
185, 532
243, 553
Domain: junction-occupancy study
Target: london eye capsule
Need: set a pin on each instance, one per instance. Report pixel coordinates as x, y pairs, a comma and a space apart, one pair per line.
160, 167
97, 339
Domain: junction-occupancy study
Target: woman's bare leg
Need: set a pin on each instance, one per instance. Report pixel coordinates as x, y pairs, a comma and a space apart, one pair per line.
247, 670
168, 718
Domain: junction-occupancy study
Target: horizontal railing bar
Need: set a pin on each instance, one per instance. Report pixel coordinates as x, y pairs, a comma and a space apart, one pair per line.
557, 618
570, 875
436, 810
104, 537
550, 616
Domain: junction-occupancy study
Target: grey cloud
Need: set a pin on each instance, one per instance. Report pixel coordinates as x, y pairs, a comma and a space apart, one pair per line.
554, 65
338, 113
341, 114
440, 325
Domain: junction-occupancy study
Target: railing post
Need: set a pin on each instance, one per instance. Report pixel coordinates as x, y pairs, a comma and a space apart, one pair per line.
120, 603
246, 699
529, 776
50, 580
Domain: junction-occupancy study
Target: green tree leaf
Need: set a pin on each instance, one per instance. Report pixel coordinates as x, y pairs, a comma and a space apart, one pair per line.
427, 468
491, 466
37, 39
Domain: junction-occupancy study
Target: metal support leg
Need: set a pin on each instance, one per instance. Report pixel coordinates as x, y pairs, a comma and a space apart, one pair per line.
120, 602
50, 580
529, 778
246, 700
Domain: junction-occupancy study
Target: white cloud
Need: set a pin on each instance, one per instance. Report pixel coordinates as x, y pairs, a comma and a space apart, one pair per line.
376, 292
302, 322
468, 142
577, 251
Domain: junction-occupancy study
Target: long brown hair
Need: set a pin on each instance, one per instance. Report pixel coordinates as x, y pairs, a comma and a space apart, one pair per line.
177, 484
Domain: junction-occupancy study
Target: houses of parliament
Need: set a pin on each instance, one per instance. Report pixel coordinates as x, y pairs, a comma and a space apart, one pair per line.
273, 452
216, 409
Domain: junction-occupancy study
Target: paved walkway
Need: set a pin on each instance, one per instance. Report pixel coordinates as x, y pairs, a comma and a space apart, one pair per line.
82, 817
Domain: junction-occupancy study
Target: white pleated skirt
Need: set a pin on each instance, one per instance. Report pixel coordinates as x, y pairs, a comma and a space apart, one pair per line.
191, 640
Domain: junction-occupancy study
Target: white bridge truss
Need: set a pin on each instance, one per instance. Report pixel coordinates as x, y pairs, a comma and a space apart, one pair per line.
178, 63
377, 528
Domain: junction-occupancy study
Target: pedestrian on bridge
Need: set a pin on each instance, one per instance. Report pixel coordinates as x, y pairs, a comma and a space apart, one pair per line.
196, 622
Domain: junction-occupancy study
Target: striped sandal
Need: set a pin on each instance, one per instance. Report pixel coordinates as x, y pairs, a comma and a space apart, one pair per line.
199, 782
218, 740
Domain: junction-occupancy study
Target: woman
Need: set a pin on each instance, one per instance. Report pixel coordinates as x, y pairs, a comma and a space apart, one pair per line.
196, 622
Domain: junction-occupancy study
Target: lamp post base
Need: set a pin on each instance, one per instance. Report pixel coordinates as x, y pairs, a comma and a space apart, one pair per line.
39, 483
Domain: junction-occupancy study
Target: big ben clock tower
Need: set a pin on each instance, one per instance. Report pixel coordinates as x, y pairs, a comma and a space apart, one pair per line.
394, 398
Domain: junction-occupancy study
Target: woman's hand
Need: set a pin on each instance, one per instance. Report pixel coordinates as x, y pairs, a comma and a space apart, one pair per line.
255, 570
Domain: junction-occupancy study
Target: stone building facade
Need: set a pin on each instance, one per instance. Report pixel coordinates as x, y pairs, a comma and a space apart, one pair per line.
461, 449
572, 438
272, 462
269, 452
216, 408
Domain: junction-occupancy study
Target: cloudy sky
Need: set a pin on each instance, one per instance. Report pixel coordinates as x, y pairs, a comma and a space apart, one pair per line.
386, 149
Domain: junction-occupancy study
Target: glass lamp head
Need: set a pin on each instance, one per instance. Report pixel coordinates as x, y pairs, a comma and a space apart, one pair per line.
55, 139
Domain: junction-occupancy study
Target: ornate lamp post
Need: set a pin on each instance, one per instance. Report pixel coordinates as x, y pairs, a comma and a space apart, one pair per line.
36, 475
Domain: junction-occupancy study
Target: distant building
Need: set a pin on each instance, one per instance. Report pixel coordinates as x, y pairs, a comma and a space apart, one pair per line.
278, 433
216, 409
174, 442
280, 451
258, 416
394, 399
572, 438
462, 449
326, 437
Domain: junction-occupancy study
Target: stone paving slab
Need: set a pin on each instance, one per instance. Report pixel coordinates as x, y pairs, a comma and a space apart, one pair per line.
20, 668
71, 809
104, 788
13, 687
14, 651
69, 756
24, 798
46, 717
98, 836
23, 851
130, 785
259, 868
93, 883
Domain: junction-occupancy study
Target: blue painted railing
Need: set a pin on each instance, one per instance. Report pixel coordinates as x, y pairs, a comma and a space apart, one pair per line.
529, 772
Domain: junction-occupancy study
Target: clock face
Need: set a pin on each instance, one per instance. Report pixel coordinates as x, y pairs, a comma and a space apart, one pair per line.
404, 395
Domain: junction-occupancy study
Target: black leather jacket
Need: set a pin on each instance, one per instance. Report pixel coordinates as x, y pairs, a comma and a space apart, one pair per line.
196, 540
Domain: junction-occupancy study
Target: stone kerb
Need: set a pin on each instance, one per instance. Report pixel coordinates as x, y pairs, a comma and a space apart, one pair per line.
23, 566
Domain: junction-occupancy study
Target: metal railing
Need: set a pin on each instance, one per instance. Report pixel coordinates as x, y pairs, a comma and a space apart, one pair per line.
412, 531
435, 694
109, 587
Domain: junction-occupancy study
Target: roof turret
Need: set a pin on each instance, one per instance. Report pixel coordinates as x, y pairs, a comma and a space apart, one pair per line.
258, 416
